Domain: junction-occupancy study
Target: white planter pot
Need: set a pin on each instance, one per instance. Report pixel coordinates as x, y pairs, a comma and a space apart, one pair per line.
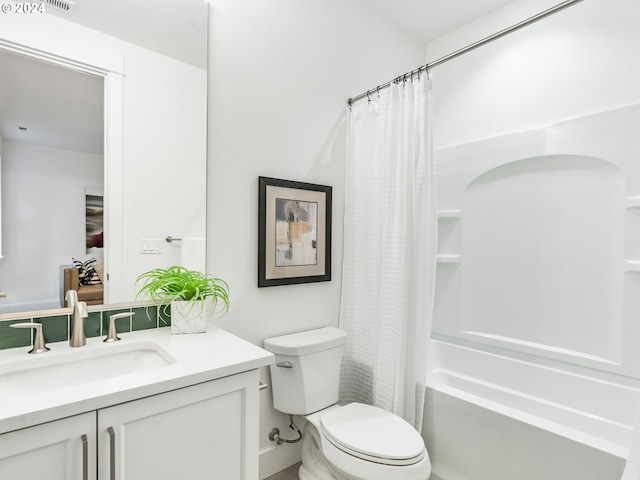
188, 318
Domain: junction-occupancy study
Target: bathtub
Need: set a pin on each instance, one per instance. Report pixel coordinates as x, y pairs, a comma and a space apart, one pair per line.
495, 417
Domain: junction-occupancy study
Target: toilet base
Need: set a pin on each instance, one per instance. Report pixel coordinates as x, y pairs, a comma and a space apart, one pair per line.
314, 466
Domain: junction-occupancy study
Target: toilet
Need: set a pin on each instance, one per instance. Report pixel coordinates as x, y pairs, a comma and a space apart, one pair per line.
350, 442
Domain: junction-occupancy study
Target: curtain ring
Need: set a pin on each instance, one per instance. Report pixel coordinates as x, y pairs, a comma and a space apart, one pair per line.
368, 96
378, 90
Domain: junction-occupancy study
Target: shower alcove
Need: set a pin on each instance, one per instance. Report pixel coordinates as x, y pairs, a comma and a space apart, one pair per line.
539, 243
535, 350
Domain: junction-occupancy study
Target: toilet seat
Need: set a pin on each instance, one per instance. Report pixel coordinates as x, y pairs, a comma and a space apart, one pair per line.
373, 434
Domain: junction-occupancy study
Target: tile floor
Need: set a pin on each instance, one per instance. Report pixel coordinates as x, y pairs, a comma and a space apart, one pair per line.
290, 473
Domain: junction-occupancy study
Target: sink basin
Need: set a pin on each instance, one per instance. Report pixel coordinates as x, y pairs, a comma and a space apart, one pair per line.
49, 372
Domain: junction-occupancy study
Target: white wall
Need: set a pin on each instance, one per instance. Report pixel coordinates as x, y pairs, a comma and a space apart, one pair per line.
580, 61
164, 135
40, 236
280, 74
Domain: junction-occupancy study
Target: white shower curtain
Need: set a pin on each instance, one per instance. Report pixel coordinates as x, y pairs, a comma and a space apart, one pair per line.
390, 236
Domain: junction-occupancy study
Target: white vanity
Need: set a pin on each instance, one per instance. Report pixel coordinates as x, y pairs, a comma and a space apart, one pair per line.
153, 406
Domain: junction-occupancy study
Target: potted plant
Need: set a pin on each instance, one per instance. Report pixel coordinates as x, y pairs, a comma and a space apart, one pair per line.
191, 295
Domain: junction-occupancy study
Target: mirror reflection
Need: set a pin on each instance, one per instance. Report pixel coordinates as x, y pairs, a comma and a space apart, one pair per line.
57, 200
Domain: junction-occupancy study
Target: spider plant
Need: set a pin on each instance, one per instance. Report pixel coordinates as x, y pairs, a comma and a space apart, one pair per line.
165, 285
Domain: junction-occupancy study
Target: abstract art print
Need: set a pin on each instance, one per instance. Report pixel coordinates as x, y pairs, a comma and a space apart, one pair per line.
294, 244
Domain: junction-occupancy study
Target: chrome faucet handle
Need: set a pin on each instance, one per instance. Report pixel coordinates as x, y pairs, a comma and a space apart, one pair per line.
38, 342
112, 336
78, 337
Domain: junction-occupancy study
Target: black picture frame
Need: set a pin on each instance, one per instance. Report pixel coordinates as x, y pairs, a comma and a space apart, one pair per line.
294, 232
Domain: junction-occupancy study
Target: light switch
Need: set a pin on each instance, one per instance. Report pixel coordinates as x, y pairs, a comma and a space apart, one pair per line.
151, 245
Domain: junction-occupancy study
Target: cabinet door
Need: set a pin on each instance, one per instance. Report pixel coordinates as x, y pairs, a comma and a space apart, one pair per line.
206, 431
60, 450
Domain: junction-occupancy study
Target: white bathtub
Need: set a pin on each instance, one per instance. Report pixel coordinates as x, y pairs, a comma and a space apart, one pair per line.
482, 405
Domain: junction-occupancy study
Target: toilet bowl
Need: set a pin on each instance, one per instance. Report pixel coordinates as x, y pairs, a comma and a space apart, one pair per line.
350, 442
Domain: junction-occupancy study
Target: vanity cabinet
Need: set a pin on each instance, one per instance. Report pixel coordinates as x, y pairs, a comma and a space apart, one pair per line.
208, 430
60, 450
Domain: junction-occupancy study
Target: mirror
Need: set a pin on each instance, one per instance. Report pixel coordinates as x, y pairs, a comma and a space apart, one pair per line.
132, 134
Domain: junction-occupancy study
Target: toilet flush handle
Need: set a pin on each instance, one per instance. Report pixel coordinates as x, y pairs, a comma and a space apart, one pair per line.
286, 364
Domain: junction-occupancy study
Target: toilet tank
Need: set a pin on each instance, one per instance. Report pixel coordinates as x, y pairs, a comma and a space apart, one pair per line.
306, 373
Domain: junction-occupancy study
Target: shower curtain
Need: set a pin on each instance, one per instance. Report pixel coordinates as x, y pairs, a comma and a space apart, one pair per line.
390, 236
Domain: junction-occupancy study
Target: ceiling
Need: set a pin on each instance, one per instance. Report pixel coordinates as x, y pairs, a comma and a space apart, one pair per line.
45, 104
176, 28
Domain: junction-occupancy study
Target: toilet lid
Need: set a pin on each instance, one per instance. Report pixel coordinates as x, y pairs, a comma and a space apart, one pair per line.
373, 434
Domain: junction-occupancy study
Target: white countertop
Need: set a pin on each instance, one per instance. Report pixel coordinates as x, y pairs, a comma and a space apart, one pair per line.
198, 358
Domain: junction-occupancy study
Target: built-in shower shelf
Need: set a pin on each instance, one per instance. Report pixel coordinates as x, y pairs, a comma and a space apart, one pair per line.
632, 202
449, 258
632, 266
450, 214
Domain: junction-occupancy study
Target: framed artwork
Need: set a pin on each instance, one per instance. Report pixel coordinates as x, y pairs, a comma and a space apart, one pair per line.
294, 232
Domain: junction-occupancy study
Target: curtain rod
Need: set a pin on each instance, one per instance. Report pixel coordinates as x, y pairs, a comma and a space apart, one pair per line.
468, 48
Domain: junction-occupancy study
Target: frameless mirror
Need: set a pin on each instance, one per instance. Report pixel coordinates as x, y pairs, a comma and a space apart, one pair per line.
58, 199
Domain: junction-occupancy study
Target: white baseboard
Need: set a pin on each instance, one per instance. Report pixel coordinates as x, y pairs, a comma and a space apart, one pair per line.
277, 458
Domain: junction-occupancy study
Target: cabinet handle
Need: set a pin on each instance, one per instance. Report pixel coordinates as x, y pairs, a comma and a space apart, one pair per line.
112, 453
85, 457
